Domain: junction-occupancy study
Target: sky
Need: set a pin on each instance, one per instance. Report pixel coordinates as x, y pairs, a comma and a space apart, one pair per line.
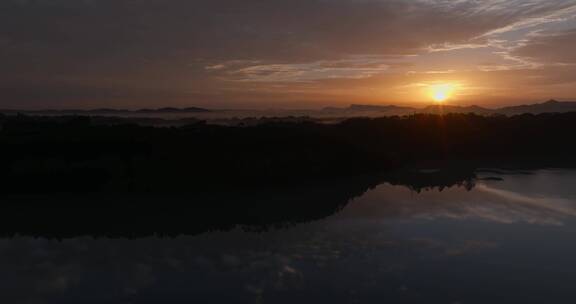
284, 53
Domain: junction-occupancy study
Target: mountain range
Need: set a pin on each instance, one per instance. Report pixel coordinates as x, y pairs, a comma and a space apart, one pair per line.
551, 106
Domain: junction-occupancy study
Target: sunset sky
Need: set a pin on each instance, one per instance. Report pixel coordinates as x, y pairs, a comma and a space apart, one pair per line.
283, 53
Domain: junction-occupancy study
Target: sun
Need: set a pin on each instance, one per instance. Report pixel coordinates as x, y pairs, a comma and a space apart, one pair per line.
442, 91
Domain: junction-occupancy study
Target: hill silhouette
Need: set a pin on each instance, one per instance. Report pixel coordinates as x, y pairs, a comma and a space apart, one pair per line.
354, 110
551, 106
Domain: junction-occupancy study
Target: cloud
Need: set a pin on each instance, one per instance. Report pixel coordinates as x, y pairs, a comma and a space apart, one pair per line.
352, 68
534, 13
281, 30
187, 49
550, 47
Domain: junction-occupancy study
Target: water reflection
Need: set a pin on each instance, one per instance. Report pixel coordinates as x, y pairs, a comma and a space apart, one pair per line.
257, 208
545, 197
508, 239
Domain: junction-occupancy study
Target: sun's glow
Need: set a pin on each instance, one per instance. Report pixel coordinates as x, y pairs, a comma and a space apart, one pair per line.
442, 92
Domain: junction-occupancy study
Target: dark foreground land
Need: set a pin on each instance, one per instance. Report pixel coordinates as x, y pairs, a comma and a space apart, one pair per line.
130, 180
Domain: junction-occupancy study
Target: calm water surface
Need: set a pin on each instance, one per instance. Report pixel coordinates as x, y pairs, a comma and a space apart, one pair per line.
504, 241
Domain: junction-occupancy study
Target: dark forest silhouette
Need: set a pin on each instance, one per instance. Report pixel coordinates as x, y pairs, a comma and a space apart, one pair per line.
48, 155
67, 176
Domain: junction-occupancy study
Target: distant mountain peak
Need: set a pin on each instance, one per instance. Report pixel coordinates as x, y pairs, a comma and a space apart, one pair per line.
550, 106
